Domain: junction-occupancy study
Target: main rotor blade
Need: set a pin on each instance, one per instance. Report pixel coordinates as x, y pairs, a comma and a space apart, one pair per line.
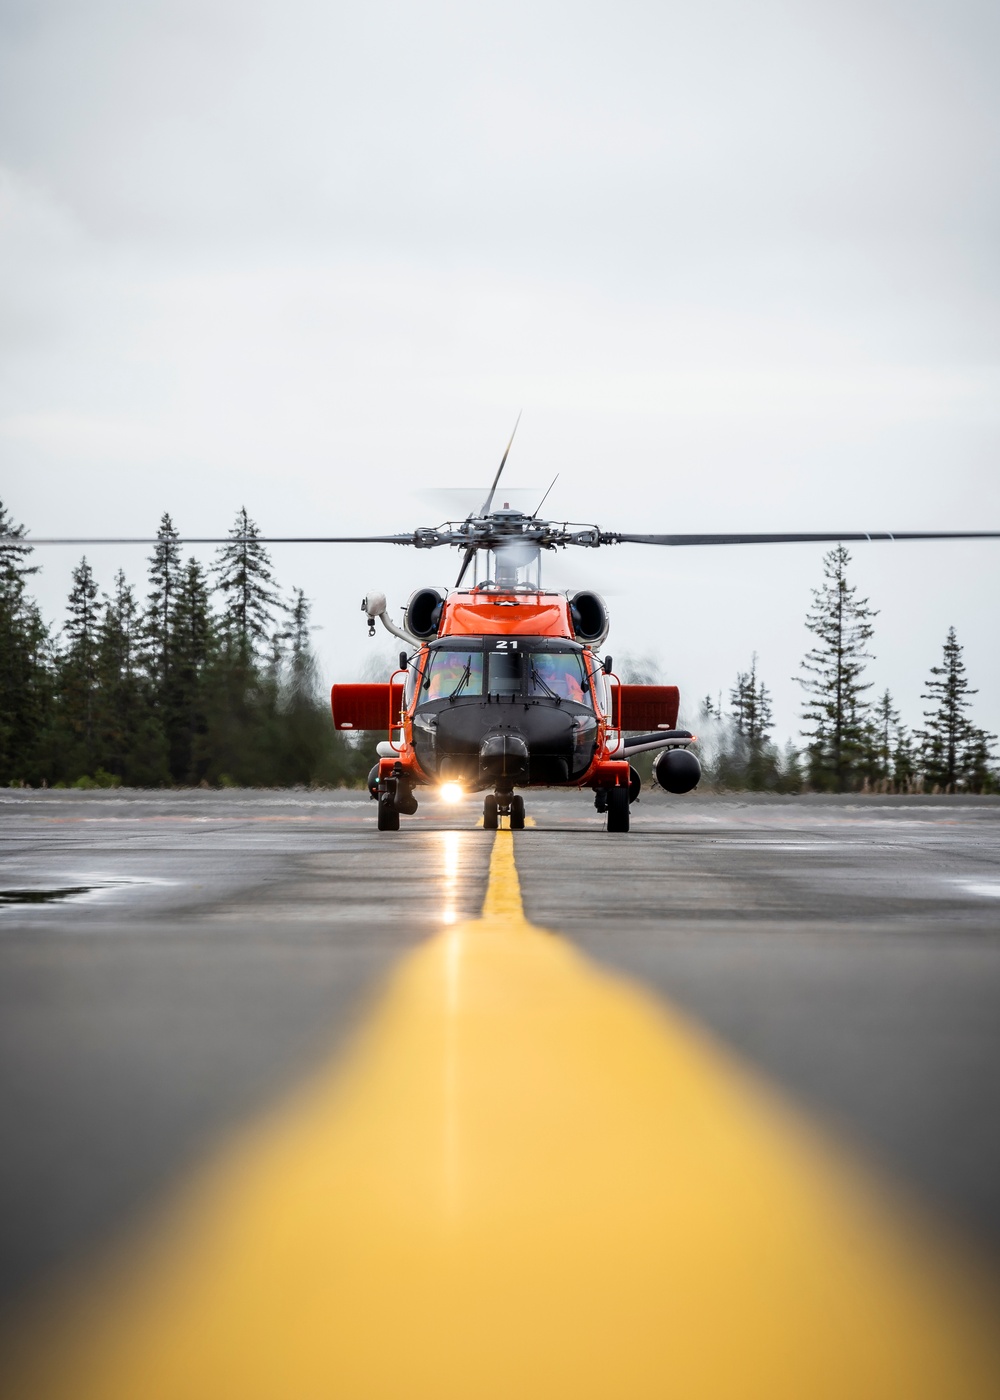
615, 538
503, 463
30, 541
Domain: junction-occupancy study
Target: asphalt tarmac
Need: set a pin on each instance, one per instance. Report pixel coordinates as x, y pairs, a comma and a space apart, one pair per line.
172, 964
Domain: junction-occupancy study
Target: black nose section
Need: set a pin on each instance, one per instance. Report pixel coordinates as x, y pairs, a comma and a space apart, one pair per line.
503, 757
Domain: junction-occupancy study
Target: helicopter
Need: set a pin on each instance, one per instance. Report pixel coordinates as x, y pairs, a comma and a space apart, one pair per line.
501, 688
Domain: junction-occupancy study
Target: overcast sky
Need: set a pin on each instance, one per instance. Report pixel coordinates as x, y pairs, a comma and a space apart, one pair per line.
738, 263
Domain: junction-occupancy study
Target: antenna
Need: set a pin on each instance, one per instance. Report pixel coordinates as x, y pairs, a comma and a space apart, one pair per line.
534, 513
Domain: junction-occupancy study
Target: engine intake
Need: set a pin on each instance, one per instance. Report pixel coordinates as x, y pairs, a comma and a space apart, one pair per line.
423, 613
589, 614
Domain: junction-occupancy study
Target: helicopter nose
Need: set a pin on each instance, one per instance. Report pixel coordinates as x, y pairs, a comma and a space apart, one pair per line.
503, 756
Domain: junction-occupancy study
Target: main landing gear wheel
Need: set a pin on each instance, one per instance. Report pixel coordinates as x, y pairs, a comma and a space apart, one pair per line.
388, 813
618, 809
517, 813
490, 818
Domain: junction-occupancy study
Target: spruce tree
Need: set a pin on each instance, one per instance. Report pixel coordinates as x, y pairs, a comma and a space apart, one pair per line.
131, 743
15, 552
835, 691
306, 747
747, 757
26, 679
978, 773
751, 702
79, 675
954, 753
789, 770
164, 581
194, 649
881, 733
741, 700
904, 764
250, 599
299, 626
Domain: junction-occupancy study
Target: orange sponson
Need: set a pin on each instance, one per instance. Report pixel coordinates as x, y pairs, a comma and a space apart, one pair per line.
500, 614
613, 772
644, 706
366, 706
406, 760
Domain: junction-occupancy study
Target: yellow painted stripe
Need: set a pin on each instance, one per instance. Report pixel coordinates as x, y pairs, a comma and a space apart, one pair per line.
527, 1180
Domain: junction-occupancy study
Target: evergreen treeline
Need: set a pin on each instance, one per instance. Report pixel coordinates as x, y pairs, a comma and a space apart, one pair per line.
210, 679
852, 742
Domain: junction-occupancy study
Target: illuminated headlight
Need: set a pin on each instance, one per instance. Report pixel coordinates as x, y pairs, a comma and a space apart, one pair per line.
451, 792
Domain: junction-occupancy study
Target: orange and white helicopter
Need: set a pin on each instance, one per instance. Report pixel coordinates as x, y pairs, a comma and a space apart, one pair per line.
501, 688
504, 689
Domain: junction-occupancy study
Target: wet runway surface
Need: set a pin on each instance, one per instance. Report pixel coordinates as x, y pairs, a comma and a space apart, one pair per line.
206, 950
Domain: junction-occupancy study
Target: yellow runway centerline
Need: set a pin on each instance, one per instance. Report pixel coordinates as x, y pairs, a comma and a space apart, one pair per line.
527, 1179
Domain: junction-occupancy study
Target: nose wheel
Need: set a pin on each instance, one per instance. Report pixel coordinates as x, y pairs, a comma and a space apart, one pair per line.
497, 805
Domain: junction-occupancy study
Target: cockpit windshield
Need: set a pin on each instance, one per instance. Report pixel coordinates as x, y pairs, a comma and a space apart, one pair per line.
505, 673
450, 673
507, 668
558, 674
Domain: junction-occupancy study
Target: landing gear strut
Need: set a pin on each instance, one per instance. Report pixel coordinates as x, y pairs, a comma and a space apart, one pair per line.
394, 795
503, 804
388, 812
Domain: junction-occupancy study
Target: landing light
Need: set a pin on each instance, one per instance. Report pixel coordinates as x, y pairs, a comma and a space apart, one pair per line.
451, 792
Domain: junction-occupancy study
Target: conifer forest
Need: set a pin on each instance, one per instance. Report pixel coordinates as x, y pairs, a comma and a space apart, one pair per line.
207, 677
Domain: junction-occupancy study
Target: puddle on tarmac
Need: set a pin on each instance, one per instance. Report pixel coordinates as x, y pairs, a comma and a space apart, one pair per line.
58, 893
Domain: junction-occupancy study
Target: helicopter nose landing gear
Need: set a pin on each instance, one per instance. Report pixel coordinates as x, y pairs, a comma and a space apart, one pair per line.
394, 795
503, 804
388, 812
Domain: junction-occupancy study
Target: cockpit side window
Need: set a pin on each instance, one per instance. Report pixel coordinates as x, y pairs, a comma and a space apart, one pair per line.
598, 686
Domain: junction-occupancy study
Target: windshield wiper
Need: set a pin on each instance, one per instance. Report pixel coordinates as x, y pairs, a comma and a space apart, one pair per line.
537, 680
463, 679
